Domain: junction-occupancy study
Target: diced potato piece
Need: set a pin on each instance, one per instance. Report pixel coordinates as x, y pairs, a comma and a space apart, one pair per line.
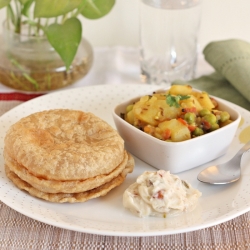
143, 111
204, 100
190, 103
154, 111
179, 132
180, 90
144, 98
141, 103
160, 96
165, 112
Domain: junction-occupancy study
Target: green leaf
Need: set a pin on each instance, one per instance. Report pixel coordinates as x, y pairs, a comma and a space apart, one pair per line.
54, 8
183, 97
94, 9
4, 3
26, 7
23, 1
65, 39
173, 100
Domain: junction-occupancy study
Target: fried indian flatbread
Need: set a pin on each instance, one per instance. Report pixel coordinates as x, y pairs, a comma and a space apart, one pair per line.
64, 145
75, 186
71, 197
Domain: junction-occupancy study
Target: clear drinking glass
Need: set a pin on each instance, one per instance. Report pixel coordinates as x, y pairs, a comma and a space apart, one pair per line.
168, 39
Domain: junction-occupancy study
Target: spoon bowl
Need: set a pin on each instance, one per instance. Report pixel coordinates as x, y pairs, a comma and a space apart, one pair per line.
225, 173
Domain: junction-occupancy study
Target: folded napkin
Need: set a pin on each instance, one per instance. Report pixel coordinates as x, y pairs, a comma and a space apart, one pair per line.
231, 79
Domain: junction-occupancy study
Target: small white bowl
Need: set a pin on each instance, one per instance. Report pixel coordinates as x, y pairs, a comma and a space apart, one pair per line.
176, 157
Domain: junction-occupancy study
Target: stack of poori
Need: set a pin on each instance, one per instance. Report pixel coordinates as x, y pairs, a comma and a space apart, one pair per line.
65, 156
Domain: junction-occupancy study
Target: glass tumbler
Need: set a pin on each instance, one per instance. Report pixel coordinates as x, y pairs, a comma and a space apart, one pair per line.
169, 32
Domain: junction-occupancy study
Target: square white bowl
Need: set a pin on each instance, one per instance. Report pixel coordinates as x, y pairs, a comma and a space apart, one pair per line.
176, 157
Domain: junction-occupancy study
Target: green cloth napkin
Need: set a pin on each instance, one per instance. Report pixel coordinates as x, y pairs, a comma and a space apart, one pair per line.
231, 79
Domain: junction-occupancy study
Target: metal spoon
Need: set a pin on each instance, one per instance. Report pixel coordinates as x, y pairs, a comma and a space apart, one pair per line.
225, 173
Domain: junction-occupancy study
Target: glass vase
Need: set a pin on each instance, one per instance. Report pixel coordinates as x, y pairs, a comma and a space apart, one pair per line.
30, 63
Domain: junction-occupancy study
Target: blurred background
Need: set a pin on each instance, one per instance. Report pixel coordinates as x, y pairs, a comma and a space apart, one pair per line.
221, 19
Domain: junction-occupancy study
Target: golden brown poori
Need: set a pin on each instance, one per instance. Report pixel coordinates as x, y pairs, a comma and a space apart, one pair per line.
65, 155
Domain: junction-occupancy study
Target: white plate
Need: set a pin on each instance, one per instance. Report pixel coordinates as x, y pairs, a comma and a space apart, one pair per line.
106, 215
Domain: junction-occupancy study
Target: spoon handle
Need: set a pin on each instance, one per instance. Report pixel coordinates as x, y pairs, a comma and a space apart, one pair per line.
245, 148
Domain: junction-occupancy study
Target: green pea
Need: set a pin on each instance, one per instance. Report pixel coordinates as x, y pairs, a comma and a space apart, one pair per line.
214, 126
210, 118
224, 116
198, 131
190, 117
129, 108
204, 112
222, 124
